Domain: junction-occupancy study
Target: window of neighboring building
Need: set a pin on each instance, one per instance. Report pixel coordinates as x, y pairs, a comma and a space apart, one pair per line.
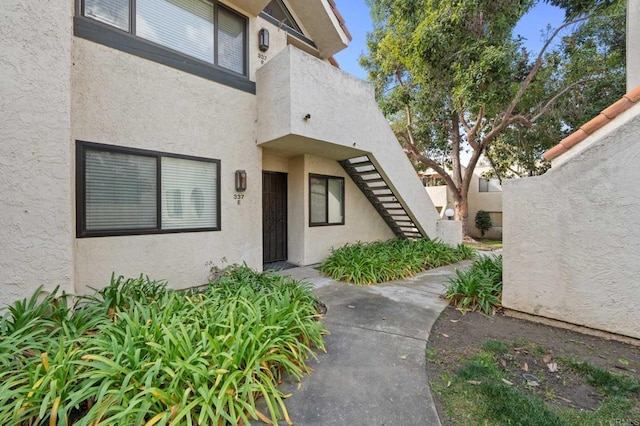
326, 200
496, 219
124, 191
489, 185
201, 29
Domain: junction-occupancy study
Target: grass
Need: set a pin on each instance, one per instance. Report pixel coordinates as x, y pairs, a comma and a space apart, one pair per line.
477, 288
138, 353
370, 263
478, 392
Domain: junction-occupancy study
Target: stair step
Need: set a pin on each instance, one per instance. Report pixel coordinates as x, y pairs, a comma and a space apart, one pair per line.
360, 164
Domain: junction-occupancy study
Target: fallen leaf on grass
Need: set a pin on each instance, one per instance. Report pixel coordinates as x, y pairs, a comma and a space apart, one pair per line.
533, 384
454, 321
623, 361
474, 382
546, 359
351, 306
525, 366
553, 367
445, 335
506, 382
503, 363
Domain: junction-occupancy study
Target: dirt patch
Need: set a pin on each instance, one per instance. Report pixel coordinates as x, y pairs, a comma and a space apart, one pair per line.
527, 348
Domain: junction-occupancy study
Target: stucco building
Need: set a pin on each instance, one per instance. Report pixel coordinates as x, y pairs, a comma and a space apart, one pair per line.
154, 136
572, 239
484, 194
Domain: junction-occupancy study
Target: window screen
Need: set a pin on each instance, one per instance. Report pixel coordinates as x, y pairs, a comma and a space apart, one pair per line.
120, 191
112, 12
230, 41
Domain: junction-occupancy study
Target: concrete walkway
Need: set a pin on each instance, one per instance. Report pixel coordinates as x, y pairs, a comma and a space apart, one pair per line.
374, 371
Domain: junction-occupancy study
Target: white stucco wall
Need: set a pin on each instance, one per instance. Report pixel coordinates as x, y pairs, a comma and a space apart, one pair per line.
120, 99
572, 236
35, 139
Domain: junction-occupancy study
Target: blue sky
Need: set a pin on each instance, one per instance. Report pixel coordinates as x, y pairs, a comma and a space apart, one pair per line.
358, 20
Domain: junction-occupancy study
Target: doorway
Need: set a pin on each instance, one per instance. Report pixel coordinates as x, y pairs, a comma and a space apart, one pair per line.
274, 217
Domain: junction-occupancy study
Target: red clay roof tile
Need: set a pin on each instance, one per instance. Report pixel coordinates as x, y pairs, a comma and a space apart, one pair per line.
623, 104
595, 123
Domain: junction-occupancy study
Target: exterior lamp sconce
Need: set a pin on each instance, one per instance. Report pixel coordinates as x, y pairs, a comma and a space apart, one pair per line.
241, 180
263, 40
449, 213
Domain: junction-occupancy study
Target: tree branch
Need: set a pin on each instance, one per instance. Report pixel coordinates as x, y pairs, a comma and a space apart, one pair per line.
551, 101
534, 71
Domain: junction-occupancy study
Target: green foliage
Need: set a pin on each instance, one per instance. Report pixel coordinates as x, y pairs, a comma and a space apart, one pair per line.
138, 353
479, 287
452, 76
477, 394
369, 263
483, 221
606, 382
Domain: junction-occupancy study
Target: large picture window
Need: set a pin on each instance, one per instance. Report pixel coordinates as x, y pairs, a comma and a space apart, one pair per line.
326, 200
201, 29
123, 191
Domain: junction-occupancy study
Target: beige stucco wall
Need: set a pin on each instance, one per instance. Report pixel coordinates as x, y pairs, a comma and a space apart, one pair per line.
344, 122
487, 201
572, 235
310, 244
123, 100
362, 221
35, 139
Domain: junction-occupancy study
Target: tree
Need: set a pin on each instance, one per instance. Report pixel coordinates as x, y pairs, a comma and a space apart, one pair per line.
450, 77
483, 221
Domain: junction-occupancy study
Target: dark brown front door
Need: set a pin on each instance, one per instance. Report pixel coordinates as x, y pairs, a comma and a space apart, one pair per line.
274, 216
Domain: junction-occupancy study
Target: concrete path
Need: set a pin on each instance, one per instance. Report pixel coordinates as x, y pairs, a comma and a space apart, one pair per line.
374, 371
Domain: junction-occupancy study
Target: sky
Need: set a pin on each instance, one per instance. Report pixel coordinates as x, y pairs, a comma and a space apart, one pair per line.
358, 20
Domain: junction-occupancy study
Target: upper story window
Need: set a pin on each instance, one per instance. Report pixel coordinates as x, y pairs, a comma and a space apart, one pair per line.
277, 10
489, 185
200, 29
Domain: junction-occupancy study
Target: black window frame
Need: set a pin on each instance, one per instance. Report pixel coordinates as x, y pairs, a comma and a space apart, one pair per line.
81, 196
344, 200
127, 41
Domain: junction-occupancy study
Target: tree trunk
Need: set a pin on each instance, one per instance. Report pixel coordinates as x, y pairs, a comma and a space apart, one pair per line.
461, 208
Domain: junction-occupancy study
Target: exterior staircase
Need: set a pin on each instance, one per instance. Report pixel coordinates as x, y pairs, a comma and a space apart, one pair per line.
381, 195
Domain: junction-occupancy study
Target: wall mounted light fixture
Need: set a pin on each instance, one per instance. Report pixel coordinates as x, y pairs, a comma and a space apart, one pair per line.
241, 180
449, 213
263, 40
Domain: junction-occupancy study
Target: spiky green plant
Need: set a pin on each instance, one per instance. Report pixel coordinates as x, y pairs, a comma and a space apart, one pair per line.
479, 287
138, 353
381, 261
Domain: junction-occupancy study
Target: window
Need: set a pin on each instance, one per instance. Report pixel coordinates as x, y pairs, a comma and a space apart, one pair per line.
200, 29
326, 200
496, 219
490, 185
124, 191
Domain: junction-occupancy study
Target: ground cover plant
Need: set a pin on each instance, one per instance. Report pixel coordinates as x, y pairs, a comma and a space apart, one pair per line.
136, 353
499, 370
479, 287
381, 261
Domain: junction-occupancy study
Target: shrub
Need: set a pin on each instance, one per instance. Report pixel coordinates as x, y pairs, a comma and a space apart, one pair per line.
479, 287
483, 221
138, 353
369, 263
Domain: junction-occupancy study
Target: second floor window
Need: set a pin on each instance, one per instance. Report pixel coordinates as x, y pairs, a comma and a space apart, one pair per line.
200, 29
